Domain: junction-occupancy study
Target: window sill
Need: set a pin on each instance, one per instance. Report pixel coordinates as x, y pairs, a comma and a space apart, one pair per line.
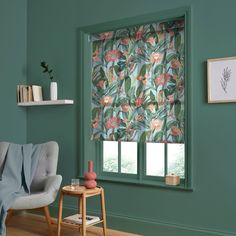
148, 183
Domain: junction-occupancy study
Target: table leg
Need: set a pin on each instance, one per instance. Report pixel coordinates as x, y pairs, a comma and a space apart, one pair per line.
60, 215
104, 223
83, 215
80, 203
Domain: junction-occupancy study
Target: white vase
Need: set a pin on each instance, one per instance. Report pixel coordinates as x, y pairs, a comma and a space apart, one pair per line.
53, 90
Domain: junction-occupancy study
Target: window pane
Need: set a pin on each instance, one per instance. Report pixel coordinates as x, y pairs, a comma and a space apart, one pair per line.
155, 159
176, 159
129, 157
110, 156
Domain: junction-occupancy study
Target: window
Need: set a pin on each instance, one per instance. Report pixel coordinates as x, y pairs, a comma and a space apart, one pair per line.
120, 157
155, 159
138, 99
160, 159
138, 108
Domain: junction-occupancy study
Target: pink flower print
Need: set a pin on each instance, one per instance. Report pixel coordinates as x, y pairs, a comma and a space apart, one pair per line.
121, 76
144, 81
171, 46
167, 77
171, 32
175, 131
156, 124
156, 57
95, 55
139, 117
162, 79
175, 64
161, 35
180, 87
138, 102
112, 55
174, 77
125, 41
144, 78
138, 35
171, 98
152, 41
140, 78
125, 120
113, 122
161, 98
101, 84
95, 124
139, 51
125, 107
106, 35
152, 108
106, 101
125, 53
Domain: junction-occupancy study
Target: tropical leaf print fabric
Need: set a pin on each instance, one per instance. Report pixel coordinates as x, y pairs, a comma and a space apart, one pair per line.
138, 83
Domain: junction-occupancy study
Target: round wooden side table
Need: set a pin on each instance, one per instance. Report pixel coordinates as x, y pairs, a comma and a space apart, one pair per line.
82, 193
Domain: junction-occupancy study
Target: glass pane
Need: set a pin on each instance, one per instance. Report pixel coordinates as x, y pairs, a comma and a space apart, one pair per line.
110, 156
175, 154
129, 157
155, 159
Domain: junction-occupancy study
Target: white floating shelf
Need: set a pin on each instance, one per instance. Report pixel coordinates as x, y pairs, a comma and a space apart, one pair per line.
46, 103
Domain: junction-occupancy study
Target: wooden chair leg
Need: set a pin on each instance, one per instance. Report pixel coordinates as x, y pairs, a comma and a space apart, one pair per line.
9, 215
48, 219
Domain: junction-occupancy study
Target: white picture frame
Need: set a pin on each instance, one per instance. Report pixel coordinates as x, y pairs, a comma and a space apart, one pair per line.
221, 80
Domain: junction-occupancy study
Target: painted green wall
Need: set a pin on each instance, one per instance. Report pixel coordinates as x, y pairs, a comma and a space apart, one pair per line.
210, 209
13, 23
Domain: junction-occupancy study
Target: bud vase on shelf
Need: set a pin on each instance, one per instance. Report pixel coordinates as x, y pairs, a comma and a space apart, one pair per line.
53, 90
90, 176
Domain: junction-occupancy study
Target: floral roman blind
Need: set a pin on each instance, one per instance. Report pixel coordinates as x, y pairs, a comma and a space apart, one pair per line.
138, 83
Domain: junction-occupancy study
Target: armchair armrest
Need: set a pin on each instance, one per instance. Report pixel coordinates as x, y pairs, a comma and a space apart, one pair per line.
52, 184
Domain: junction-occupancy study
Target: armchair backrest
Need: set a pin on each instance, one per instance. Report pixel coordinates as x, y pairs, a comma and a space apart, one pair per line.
47, 164
3, 151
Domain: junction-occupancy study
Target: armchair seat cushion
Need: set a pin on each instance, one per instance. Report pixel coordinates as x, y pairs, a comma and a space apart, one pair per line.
42, 198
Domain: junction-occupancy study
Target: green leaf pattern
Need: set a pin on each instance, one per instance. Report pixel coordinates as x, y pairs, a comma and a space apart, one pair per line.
138, 83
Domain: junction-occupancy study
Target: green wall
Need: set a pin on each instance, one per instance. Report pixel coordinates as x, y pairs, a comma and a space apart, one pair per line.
13, 23
210, 209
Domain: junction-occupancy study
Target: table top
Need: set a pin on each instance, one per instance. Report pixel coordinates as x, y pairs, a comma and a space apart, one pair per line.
80, 190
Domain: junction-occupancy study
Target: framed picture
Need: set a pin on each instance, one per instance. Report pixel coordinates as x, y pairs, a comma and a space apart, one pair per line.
221, 78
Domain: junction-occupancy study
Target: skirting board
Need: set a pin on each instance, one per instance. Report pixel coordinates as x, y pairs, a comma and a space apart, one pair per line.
146, 227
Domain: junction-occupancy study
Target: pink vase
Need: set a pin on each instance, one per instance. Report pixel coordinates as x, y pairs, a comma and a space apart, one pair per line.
90, 176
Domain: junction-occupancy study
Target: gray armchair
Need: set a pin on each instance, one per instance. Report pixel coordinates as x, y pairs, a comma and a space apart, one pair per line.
45, 184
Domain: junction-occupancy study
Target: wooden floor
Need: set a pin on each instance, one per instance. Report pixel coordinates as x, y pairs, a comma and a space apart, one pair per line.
32, 225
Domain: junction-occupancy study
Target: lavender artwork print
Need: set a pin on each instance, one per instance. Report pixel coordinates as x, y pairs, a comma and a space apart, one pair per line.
225, 78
